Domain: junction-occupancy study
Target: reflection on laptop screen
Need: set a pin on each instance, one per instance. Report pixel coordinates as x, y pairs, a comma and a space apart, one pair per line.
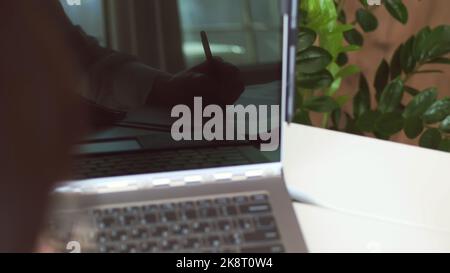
163, 97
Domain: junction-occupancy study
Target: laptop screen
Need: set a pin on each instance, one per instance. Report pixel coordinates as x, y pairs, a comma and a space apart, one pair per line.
178, 85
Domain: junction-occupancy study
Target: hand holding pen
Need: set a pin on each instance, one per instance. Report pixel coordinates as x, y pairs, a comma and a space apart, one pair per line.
216, 81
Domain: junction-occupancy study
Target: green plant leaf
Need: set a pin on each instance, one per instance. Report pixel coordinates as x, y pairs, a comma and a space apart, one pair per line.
430, 139
389, 124
420, 103
342, 17
302, 117
397, 9
318, 80
342, 59
342, 100
407, 59
354, 37
419, 49
350, 125
438, 42
437, 112
441, 60
444, 145
313, 60
412, 91
391, 96
381, 78
413, 127
431, 71
396, 63
350, 48
445, 125
323, 104
306, 38
362, 100
336, 118
322, 17
366, 20
366, 122
348, 71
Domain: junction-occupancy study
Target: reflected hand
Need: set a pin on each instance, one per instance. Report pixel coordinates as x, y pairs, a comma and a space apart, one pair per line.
216, 81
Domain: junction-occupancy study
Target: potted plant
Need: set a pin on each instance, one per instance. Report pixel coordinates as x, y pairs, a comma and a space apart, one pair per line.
388, 105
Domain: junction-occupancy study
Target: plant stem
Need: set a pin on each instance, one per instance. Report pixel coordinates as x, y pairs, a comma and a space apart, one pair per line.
341, 4
325, 119
412, 73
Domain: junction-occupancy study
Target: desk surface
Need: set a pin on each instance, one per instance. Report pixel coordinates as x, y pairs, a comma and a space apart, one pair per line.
330, 231
401, 184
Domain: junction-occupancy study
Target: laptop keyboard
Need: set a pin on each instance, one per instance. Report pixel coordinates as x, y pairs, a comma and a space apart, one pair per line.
238, 224
147, 162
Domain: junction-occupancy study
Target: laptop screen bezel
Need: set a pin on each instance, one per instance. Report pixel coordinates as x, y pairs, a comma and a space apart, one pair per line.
289, 25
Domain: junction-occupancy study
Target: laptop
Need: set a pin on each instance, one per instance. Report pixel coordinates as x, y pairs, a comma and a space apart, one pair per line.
135, 189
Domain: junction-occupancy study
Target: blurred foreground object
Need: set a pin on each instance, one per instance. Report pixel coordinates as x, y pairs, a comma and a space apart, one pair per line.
39, 116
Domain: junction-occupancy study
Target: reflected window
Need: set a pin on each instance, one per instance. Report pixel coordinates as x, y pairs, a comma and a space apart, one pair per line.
90, 16
240, 31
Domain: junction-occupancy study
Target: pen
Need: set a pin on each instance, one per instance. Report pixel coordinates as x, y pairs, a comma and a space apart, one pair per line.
206, 47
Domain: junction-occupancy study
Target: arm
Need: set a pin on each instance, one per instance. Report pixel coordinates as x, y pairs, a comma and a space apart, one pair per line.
116, 80
121, 82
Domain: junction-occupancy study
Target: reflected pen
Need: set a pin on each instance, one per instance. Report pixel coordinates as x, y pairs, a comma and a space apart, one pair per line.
206, 46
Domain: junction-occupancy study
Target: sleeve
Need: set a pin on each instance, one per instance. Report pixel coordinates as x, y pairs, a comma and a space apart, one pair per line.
115, 80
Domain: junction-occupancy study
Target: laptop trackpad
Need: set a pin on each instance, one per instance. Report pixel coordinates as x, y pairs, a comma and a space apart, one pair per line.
155, 141
115, 146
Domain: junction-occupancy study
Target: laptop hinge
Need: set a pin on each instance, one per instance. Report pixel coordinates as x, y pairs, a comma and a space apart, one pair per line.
172, 179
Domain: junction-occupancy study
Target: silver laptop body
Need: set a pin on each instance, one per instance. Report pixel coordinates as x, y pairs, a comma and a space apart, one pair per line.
240, 208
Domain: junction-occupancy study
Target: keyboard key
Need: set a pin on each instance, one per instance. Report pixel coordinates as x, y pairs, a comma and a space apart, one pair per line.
224, 225
208, 212
210, 225
264, 249
261, 236
204, 203
168, 216
232, 239
176, 229
229, 211
150, 208
245, 223
107, 222
241, 199
201, 227
186, 205
222, 201
264, 222
102, 237
185, 229
132, 210
167, 206
129, 220
109, 248
150, 218
188, 214
118, 235
263, 198
170, 245
139, 233
213, 241
128, 248
255, 208
160, 231
192, 243
149, 246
